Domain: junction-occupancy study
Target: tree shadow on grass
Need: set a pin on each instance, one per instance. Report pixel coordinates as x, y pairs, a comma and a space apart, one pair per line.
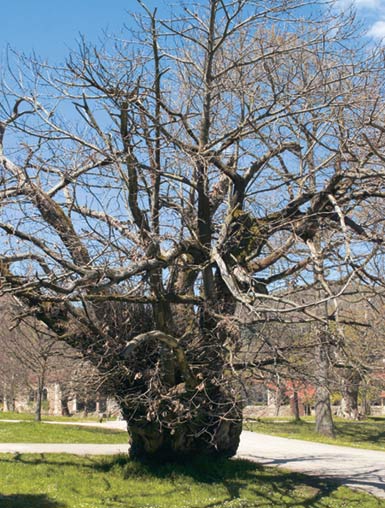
266, 486
365, 432
28, 501
244, 481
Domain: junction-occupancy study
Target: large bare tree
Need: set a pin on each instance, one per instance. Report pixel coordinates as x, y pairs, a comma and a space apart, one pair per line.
158, 189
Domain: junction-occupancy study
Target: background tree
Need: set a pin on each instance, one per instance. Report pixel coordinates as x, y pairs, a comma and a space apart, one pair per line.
13, 378
360, 360
29, 351
79, 381
33, 358
154, 190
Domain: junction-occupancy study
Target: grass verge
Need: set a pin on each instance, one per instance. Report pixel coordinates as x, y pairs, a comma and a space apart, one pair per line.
369, 434
66, 481
10, 415
32, 432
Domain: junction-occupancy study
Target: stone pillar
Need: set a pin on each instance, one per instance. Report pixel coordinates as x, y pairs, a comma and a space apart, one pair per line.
56, 406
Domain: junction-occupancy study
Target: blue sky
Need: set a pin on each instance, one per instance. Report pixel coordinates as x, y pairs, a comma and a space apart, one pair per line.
50, 27
372, 13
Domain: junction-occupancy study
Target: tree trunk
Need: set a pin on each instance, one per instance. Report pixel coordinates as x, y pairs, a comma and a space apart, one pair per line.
5, 398
324, 420
323, 414
64, 406
365, 401
349, 402
278, 397
39, 397
205, 422
295, 406
185, 404
218, 437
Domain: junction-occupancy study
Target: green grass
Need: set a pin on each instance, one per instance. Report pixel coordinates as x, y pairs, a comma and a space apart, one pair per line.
368, 434
66, 481
32, 432
10, 415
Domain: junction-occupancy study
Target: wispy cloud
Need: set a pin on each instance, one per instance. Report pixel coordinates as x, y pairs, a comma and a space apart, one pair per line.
372, 4
377, 30
371, 12
362, 4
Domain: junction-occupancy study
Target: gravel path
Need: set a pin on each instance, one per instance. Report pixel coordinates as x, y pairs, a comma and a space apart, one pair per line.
357, 468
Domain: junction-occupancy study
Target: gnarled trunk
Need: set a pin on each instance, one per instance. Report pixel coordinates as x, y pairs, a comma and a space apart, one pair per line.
220, 437
175, 392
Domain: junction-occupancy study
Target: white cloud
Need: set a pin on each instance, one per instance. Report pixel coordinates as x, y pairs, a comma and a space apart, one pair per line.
372, 4
370, 12
361, 4
377, 30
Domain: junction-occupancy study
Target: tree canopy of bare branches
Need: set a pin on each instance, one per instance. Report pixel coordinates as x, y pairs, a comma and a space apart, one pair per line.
155, 190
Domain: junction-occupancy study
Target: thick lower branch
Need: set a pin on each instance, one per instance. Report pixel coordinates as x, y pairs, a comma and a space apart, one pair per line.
169, 341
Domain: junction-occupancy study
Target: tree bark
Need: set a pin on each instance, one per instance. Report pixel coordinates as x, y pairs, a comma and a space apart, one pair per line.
323, 414
205, 433
39, 397
5, 397
365, 402
64, 406
349, 402
295, 406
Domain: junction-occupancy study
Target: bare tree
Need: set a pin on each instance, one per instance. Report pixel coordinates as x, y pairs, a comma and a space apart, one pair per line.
31, 352
13, 378
156, 190
78, 380
360, 361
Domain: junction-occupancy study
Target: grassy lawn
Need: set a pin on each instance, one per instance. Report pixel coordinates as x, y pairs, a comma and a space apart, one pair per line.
32, 432
8, 415
66, 481
368, 434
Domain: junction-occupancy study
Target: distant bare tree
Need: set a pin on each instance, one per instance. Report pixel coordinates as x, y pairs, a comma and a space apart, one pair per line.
29, 348
33, 357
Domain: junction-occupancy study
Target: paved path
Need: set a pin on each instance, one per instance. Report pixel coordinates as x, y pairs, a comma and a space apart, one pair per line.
362, 469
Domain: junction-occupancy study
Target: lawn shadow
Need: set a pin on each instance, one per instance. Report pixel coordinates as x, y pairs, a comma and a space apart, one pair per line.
371, 480
241, 479
365, 432
237, 475
28, 501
